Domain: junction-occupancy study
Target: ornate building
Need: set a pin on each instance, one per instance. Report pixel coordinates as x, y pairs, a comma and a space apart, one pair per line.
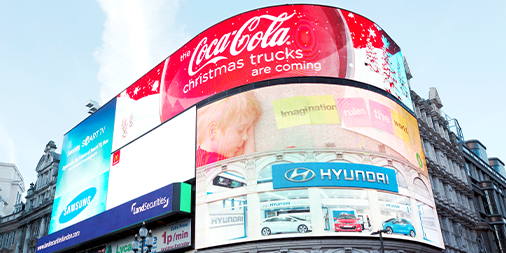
11, 188
452, 187
20, 230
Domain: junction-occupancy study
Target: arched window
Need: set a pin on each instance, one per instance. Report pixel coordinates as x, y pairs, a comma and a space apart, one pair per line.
401, 181
265, 175
421, 188
13, 237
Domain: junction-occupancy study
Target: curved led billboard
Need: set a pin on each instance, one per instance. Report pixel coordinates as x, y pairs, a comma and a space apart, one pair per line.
283, 41
264, 44
310, 160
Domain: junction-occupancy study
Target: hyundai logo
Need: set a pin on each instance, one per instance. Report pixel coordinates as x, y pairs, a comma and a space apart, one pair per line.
299, 175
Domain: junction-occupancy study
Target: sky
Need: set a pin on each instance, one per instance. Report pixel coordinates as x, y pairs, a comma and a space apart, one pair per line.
56, 55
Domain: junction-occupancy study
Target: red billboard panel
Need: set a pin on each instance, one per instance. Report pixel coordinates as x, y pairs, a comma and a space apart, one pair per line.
282, 41
269, 43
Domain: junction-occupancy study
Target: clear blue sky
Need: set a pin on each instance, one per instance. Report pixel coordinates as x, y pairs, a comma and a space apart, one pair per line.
55, 55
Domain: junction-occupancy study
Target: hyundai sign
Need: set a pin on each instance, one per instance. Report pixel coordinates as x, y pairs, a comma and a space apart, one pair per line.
295, 175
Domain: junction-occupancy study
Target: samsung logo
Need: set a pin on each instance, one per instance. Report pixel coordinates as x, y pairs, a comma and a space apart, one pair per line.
77, 205
299, 175
72, 151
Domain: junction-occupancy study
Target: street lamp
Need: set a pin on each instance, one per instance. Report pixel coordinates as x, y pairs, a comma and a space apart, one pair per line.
380, 232
146, 239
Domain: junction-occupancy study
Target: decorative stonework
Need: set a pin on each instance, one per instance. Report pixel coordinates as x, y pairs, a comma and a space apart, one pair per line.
448, 172
32, 221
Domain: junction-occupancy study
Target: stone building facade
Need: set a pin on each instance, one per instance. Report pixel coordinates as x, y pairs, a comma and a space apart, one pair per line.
12, 187
20, 230
459, 190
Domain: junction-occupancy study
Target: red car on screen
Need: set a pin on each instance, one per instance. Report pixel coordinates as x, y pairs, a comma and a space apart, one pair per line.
347, 222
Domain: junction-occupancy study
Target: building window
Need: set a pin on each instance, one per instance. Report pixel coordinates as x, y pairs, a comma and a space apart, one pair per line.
401, 181
490, 203
13, 237
421, 188
457, 228
6, 243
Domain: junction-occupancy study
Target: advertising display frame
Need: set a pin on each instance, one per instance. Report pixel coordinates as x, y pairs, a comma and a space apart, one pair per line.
83, 174
320, 54
290, 39
332, 82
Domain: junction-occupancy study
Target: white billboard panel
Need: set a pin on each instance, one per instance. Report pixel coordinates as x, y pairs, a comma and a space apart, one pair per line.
162, 156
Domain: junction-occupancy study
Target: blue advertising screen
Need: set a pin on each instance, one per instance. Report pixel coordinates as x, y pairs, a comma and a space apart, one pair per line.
83, 176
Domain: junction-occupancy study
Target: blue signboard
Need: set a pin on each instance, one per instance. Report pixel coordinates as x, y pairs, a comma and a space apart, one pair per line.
86, 200
83, 176
172, 198
297, 175
86, 151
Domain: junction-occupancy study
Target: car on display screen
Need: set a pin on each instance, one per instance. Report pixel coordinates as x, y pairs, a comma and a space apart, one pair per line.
285, 224
399, 226
347, 222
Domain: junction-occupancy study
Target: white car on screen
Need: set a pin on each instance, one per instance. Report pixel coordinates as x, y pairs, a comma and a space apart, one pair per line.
285, 224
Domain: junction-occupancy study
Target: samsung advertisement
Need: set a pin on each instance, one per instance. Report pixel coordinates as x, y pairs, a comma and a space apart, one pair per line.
310, 160
83, 176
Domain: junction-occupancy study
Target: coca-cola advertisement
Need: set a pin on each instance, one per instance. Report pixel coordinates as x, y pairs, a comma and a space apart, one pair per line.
269, 43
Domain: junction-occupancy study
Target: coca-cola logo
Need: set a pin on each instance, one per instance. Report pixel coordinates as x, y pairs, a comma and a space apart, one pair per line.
245, 38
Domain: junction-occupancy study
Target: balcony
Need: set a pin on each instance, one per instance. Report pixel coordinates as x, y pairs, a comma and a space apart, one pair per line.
10, 217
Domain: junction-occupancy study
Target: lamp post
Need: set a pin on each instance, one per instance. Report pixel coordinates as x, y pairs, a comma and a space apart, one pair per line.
380, 232
146, 239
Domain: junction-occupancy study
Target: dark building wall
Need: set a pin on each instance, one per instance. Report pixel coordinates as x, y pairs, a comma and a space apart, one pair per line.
489, 186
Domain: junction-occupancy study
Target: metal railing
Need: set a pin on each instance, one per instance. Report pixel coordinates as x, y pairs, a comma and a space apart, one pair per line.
454, 126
